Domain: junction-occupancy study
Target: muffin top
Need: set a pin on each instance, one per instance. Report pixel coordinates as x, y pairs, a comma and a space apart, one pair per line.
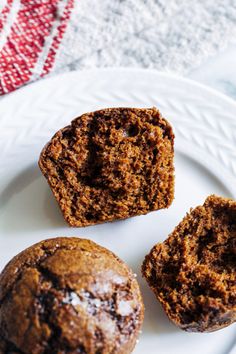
68, 295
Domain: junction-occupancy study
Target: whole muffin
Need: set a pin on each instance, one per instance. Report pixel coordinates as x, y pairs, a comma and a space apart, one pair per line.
68, 295
192, 273
111, 164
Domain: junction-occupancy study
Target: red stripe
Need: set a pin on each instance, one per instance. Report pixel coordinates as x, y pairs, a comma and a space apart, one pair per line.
4, 14
49, 62
25, 42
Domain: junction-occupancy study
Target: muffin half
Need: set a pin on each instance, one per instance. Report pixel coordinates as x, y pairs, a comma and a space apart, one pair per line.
193, 272
111, 164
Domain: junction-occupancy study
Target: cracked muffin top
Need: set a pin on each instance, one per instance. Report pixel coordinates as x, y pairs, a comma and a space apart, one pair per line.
192, 273
111, 164
68, 295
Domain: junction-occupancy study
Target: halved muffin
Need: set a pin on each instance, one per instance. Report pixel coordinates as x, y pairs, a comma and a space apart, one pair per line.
111, 164
193, 272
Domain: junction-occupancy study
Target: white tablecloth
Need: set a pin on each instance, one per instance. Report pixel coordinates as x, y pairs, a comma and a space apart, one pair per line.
173, 35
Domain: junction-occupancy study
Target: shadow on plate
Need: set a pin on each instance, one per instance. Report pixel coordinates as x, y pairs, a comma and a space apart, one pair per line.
27, 204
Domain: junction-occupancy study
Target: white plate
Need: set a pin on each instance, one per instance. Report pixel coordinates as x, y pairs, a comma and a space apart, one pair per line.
205, 126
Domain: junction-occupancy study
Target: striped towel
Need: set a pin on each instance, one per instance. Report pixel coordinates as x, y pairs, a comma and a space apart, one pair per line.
30, 35
37, 38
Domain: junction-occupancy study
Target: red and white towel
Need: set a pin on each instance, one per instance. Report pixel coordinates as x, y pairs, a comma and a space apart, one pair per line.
38, 37
30, 35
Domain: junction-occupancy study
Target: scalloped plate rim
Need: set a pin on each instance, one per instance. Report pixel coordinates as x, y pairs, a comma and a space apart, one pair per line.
169, 75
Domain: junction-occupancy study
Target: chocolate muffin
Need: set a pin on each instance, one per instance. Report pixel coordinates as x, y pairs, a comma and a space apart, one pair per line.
68, 295
111, 164
192, 273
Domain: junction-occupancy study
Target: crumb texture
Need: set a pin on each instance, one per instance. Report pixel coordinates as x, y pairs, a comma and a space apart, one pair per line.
111, 164
68, 295
192, 273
